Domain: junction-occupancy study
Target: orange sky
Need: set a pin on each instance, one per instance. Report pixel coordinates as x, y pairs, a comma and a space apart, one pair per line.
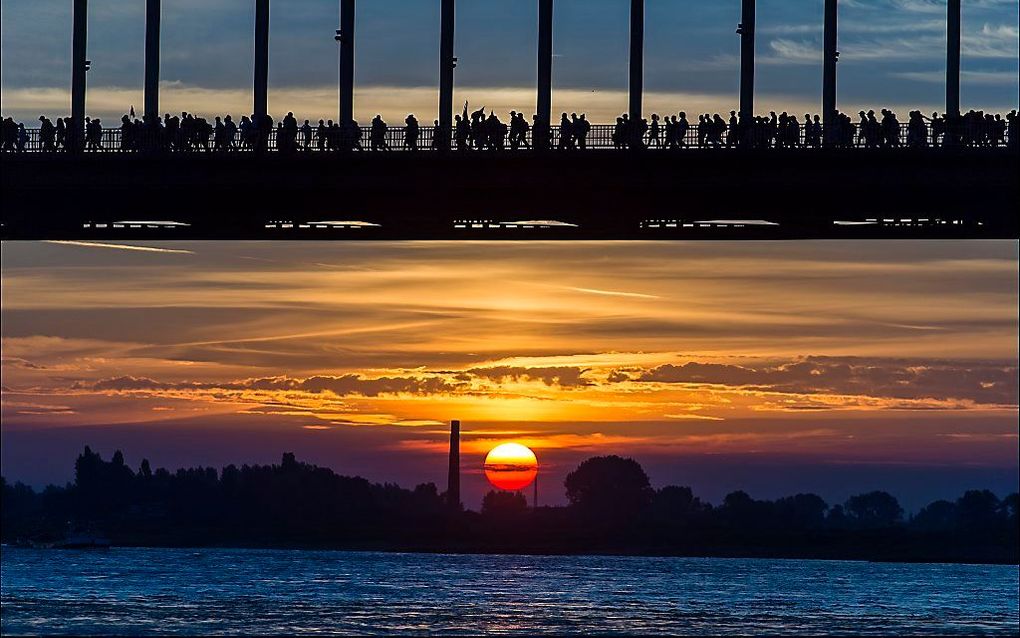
904, 351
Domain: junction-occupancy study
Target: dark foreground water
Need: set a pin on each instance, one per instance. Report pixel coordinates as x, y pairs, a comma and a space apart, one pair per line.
176, 591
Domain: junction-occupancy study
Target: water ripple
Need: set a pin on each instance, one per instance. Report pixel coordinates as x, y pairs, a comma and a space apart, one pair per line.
262, 592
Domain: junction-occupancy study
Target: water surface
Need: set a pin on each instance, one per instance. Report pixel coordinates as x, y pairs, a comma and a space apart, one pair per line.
184, 591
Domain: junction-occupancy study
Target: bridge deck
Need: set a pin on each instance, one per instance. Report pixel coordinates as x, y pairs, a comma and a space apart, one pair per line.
794, 193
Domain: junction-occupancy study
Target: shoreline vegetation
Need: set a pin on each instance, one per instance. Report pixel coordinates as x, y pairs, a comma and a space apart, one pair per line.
613, 510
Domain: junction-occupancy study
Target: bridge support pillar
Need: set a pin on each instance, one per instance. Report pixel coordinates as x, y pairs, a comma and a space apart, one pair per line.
953, 25
637, 51
541, 133
345, 35
831, 56
746, 31
261, 80
79, 66
447, 62
152, 18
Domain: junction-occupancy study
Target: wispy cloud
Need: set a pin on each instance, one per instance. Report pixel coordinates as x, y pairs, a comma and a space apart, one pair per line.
988, 78
612, 293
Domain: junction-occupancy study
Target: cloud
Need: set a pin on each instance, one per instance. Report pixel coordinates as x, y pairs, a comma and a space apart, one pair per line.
565, 376
987, 78
612, 293
694, 417
133, 247
983, 383
341, 386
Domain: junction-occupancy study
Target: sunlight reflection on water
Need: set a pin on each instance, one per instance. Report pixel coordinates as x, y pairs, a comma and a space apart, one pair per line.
169, 591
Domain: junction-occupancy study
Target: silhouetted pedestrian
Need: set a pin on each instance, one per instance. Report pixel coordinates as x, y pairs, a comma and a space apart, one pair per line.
47, 135
411, 132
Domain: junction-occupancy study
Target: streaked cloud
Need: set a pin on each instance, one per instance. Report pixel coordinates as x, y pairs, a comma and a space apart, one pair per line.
826, 350
615, 293
134, 247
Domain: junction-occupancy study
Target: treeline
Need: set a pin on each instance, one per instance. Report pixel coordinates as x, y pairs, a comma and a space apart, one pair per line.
613, 509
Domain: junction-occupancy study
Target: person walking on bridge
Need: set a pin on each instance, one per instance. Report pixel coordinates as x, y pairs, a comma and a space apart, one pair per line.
518, 131
47, 135
890, 127
461, 133
653, 132
583, 129
566, 134
93, 134
377, 136
411, 132
306, 136
320, 136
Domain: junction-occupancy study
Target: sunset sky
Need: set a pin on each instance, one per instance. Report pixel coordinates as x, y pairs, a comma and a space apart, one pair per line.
892, 54
769, 366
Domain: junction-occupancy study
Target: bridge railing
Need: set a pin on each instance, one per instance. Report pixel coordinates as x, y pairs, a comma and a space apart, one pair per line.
599, 137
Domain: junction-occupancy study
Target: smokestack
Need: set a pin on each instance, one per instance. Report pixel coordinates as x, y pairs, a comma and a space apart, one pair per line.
534, 499
453, 485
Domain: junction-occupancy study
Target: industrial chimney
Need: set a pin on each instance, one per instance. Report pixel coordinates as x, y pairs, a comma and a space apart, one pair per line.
453, 485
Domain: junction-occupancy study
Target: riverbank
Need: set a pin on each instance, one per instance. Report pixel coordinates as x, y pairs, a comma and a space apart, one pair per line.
907, 550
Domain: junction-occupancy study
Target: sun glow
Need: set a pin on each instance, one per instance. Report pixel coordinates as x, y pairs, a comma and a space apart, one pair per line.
511, 466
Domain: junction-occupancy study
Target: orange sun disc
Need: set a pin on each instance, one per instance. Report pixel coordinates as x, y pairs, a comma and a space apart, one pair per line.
511, 466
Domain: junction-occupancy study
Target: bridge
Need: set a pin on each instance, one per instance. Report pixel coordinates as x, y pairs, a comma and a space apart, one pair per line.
345, 37
741, 181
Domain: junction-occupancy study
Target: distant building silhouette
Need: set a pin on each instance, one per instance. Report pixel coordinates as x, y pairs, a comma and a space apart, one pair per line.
453, 481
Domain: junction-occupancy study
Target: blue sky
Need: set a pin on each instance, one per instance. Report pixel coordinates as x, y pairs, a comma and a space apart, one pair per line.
892, 54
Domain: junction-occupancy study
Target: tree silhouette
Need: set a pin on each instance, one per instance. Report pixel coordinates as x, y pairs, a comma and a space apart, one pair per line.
874, 509
609, 486
613, 508
503, 504
676, 503
939, 516
977, 508
803, 511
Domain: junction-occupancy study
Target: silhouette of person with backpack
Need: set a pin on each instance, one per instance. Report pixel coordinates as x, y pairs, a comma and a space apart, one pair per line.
411, 132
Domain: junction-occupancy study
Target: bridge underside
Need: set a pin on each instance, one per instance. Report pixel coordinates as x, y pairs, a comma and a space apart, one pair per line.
722, 194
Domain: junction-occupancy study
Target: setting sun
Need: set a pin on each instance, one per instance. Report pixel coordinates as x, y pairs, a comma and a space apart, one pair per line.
511, 466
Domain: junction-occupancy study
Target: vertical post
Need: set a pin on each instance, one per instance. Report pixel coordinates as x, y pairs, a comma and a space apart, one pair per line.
637, 50
261, 80
953, 58
453, 479
346, 37
544, 106
831, 55
152, 17
746, 31
79, 65
534, 498
446, 65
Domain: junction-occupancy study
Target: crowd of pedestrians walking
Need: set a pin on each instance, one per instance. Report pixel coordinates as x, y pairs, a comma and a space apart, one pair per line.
480, 130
